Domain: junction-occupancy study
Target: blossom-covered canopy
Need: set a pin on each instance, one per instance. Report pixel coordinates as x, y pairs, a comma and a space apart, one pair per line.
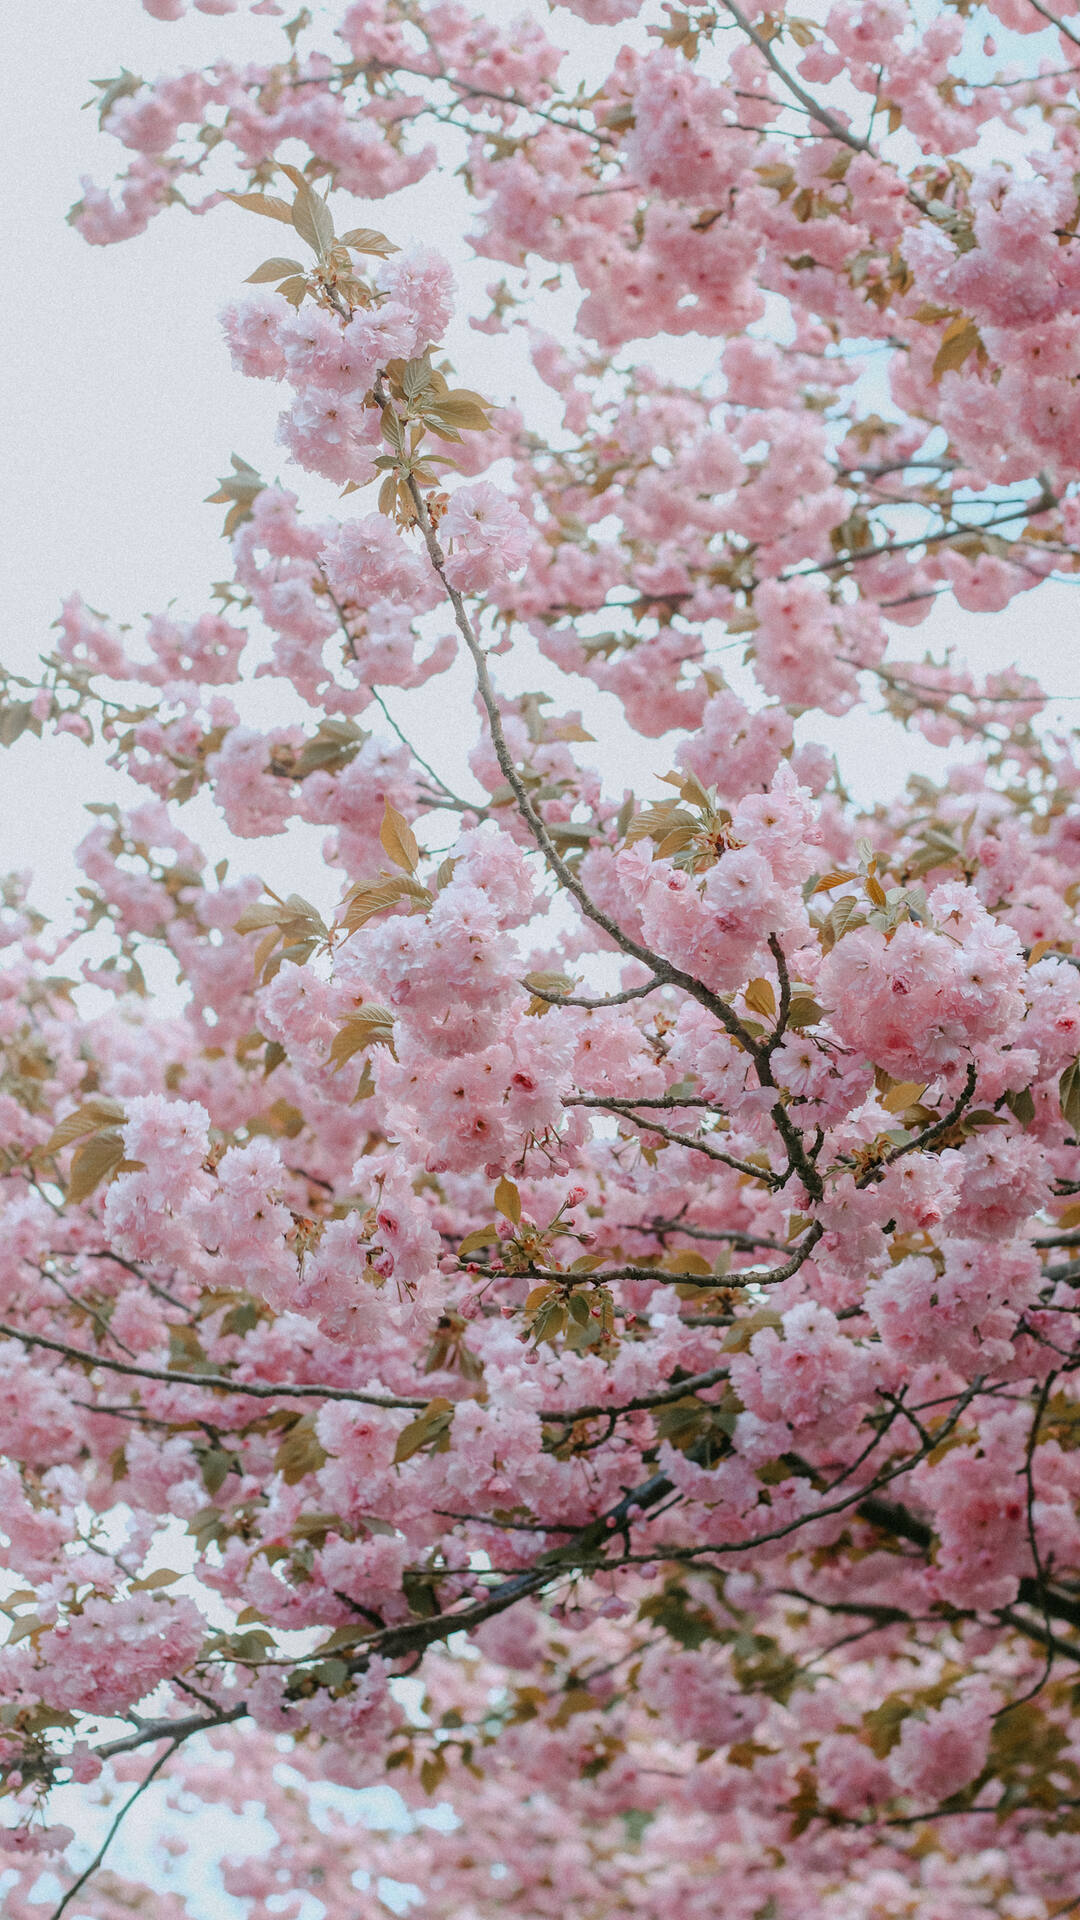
586, 1333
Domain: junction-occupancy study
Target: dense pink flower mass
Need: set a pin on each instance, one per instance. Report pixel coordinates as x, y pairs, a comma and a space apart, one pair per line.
579, 1326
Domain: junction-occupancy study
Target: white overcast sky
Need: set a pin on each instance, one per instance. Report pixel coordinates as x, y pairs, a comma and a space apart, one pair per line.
120, 409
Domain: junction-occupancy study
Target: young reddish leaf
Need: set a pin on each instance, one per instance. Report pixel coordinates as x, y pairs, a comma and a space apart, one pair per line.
480, 1237
508, 1201
276, 269
430, 1429
92, 1163
300, 1453
804, 1011
1069, 1095
162, 1577
371, 1026
906, 1093
96, 1115
367, 240
263, 203
310, 214
959, 341
760, 998
398, 839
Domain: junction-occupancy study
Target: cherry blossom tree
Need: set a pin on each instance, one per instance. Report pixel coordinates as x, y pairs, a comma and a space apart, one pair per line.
594, 1320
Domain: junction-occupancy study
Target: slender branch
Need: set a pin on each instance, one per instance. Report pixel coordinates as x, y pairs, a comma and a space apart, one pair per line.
695, 1383
84, 1306
609, 1000
214, 1382
806, 100
596, 134
623, 1109
670, 1103
453, 799
892, 1518
740, 1277
264, 1390
466, 806
939, 1127
1033, 1543
737, 1236
1056, 21
886, 1616
784, 979
114, 1828
958, 530
467, 92
662, 969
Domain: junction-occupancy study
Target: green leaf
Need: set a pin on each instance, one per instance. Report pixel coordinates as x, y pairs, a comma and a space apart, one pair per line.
330, 1673
457, 412
365, 902
398, 839
301, 1452
367, 240
27, 1624
884, 1724
265, 203
372, 1026
241, 1319
296, 25
541, 986
685, 1623
804, 1011
738, 1337
430, 1429
216, 1466
294, 289
1069, 1095
550, 1321
163, 1577
91, 1118
118, 88
262, 913
392, 429
417, 378
759, 996
482, 1237
508, 1201
185, 1349
277, 268
14, 720
92, 1163
1022, 1106
365, 1086
960, 339
309, 214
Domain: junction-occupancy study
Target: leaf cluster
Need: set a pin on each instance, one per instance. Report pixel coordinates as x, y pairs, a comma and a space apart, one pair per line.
292, 929
333, 275
100, 1153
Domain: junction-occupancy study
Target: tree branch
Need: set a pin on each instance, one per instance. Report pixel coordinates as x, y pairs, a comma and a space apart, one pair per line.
113, 1830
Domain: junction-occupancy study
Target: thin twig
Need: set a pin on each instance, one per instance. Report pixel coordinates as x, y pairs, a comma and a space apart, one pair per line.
214, 1382
114, 1829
